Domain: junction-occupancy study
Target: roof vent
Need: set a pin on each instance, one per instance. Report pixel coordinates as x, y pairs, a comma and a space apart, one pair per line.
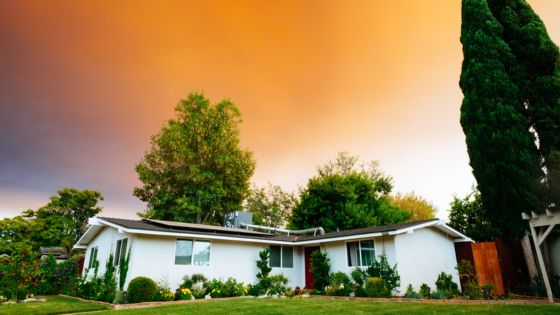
234, 219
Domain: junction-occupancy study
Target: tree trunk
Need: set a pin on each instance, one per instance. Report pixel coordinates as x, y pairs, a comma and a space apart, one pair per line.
529, 259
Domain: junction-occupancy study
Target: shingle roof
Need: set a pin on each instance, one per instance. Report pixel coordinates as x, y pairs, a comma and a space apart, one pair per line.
177, 227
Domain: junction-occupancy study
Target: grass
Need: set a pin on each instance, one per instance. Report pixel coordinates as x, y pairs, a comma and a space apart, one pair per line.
53, 305
59, 305
339, 307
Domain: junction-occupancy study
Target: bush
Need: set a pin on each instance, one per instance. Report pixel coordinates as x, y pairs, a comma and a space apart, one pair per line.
277, 284
381, 269
488, 291
445, 286
377, 287
410, 293
183, 294
320, 267
339, 284
262, 264
189, 281
468, 277
163, 291
424, 291
141, 289
217, 288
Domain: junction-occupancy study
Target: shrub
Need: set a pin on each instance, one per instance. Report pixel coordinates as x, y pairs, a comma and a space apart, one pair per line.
217, 288
382, 269
468, 277
320, 267
377, 287
439, 295
141, 289
183, 294
358, 276
424, 291
339, 284
445, 286
488, 291
108, 282
163, 291
410, 293
262, 264
277, 284
189, 281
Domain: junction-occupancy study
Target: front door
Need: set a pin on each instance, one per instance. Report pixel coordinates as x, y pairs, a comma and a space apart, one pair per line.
309, 279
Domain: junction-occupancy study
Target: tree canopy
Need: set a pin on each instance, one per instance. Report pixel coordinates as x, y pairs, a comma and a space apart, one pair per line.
345, 196
469, 216
270, 205
502, 151
60, 223
196, 170
417, 207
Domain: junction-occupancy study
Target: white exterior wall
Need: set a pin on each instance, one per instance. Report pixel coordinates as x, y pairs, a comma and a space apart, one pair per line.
422, 256
154, 257
337, 253
105, 241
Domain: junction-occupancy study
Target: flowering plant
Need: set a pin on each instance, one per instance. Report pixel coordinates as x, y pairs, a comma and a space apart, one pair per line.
183, 294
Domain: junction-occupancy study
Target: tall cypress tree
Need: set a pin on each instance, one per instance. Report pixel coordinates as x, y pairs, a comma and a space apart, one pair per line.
537, 74
503, 155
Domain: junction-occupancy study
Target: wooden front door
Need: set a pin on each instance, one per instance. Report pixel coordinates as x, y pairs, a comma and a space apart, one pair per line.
309, 279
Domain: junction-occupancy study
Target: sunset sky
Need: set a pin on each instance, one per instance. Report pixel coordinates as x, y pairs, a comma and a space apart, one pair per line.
84, 84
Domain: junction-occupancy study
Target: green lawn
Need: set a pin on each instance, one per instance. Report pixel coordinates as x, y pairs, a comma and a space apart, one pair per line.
57, 305
53, 305
339, 307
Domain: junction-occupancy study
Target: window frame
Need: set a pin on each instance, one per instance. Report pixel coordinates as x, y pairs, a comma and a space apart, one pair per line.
192, 252
359, 253
281, 256
92, 256
120, 250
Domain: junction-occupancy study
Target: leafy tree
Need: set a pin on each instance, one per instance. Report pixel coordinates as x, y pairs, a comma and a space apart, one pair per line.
60, 222
343, 196
195, 170
537, 74
270, 205
502, 152
417, 207
320, 268
470, 217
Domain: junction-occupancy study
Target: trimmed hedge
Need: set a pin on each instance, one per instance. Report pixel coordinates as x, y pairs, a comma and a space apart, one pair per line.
141, 289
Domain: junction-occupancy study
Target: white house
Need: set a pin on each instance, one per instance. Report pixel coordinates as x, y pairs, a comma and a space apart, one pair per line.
169, 250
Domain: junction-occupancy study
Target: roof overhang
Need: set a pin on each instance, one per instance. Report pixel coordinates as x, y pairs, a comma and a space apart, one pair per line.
98, 224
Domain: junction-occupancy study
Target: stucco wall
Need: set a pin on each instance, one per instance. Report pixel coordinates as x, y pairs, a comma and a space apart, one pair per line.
154, 257
105, 241
422, 256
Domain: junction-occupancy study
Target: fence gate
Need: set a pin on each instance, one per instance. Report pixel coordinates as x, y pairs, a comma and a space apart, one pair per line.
487, 265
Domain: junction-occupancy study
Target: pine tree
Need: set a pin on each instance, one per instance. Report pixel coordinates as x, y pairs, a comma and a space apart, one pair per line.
537, 74
503, 155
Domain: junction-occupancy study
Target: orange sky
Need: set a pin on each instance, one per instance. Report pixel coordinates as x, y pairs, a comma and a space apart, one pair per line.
84, 84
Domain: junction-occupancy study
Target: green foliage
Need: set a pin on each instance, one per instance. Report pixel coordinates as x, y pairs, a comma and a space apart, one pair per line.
141, 289
196, 170
445, 286
56, 278
425, 291
470, 217
339, 284
342, 196
381, 269
109, 282
124, 262
502, 151
410, 293
270, 205
468, 277
262, 263
417, 207
189, 281
18, 275
57, 224
320, 267
230, 288
163, 291
377, 288
358, 276
183, 294
488, 291
536, 72
277, 284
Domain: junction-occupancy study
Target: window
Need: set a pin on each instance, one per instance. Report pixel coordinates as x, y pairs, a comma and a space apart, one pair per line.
190, 252
92, 256
360, 253
120, 250
281, 257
